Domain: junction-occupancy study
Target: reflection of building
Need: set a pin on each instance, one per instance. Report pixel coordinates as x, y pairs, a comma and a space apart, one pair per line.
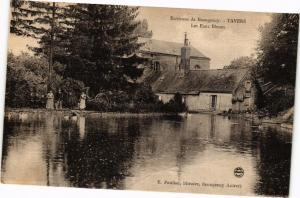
202, 89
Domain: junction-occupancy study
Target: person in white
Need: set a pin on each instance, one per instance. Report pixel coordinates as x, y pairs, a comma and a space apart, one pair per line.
50, 100
82, 102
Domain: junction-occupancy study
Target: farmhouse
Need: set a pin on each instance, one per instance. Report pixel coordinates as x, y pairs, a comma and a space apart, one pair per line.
206, 90
203, 89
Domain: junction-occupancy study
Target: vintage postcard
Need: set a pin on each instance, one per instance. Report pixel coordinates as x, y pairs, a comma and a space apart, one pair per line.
149, 98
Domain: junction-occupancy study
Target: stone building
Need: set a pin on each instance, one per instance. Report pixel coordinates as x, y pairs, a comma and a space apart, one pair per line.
206, 90
203, 89
166, 55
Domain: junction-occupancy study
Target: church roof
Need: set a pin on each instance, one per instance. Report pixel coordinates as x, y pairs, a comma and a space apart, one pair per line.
166, 47
194, 82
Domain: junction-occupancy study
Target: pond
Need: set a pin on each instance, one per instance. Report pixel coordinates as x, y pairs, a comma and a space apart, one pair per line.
198, 153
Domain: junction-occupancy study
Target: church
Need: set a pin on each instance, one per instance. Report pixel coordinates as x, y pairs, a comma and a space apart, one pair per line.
167, 55
181, 68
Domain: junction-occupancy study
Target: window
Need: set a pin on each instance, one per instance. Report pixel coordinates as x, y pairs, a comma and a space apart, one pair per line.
247, 94
156, 66
197, 67
248, 85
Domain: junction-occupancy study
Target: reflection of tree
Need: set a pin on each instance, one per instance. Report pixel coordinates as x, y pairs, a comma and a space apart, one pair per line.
7, 130
102, 158
274, 164
241, 135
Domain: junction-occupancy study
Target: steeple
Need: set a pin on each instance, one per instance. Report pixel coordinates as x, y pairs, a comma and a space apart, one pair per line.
186, 40
185, 55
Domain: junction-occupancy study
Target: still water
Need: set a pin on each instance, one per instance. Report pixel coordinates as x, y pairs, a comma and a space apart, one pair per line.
196, 154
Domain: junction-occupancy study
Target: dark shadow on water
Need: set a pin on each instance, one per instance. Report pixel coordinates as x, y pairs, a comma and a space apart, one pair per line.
274, 163
102, 159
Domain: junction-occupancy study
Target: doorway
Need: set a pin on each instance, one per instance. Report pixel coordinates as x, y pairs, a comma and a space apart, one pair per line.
213, 102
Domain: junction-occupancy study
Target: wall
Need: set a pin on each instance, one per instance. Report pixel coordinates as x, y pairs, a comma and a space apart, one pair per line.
244, 97
171, 62
201, 62
167, 62
202, 102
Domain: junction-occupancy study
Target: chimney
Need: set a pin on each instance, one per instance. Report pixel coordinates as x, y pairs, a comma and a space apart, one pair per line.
185, 55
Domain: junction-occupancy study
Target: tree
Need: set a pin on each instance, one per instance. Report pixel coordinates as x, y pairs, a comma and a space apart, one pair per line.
243, 61
17, 21
89, 40
277, 58
42, 21
25, 76
277, 49
100, 35
142, 30
26, 84
175, 105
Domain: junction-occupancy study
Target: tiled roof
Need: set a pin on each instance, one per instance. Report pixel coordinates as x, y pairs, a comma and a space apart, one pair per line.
215, 80
166, 47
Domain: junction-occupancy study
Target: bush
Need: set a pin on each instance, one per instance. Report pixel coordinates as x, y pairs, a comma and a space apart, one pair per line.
110, 101
143, 100
71, 91
144, 95
278, 101
175, 105
27, 83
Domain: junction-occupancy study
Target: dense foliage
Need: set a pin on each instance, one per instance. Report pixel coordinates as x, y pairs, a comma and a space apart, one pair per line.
277, 60
142, 100
277, 49
99, 36
243, 61
43, 21
26, 84
89, 42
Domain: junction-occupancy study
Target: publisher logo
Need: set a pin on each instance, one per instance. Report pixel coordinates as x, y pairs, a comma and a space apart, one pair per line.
239, 172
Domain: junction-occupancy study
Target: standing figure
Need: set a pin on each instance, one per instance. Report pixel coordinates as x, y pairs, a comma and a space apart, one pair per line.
59, 98
72, 101
50, 101
82, 101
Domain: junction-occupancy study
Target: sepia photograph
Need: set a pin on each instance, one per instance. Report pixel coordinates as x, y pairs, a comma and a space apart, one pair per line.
149, 98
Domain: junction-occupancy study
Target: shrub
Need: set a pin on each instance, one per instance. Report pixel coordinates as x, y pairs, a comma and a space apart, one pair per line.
71, 90
175, 105
27, 83
110, 101
279, 100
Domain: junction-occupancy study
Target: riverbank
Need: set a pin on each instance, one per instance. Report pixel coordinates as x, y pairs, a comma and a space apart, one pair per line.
75, 112
255, 118
278, 122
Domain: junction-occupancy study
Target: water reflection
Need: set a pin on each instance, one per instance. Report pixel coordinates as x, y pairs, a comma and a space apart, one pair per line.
135, 152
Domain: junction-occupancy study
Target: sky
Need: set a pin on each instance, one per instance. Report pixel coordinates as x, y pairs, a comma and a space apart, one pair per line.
221, 45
